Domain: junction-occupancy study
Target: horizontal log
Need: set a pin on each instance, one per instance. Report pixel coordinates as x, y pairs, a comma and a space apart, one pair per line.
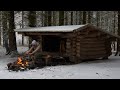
74, 46
73, 53
92, 42
95, 34
78, 33
73, 41
78, 51
78, 48
97, 45
68, 40
68, 54
73, 50
74, 38
68, 47
78, 55
78, 40
92, 57
77, 43
92, 49
92, 53
79, 36
92, 39
68, 50
68, 44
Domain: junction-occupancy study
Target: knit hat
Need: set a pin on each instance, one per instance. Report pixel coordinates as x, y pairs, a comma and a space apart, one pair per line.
34, 42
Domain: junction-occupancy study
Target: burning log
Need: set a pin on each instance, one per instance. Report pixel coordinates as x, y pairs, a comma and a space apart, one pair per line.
21, 64
24, 63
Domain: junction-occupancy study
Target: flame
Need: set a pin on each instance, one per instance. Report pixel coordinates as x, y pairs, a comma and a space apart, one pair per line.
20, 62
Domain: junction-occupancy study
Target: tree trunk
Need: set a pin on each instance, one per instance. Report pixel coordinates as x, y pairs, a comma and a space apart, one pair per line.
49, 18
32, 21
54, 18
0, 25
4, 24
84, 17
22, 27
46, 18
0, 35
32, 18
80, 17
118, 40
89, 16
61, 18
71, 17
12, 35
42, 17
98, 18
114, 26
5, 31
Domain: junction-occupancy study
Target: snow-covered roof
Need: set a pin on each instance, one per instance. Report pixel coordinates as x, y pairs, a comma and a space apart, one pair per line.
66, 28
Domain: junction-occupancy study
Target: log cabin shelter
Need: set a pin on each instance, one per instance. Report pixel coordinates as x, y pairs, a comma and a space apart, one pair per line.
78, 42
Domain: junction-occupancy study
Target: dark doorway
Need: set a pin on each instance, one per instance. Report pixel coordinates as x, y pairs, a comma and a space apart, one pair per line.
50, 43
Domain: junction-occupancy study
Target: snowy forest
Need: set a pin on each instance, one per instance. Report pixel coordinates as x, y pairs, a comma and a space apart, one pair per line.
13, 42
10, 20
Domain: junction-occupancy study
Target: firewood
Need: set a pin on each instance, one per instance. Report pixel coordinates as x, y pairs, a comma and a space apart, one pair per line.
8, 65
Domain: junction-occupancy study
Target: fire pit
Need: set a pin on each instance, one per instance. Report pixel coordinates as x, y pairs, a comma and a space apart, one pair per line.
25, 63
21, 64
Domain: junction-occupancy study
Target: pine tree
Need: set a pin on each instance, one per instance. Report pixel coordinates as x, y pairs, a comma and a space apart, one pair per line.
84, 17
118, 40
45, 18
5, 31
31, 21
49, 18
89, 17
61, 17
32, 18
0, 25
22, 27
12, 36
71, 17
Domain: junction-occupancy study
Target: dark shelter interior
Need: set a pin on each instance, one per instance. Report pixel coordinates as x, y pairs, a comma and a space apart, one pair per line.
51, 43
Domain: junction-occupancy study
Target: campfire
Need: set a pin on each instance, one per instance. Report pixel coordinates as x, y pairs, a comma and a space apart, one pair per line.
25, 63
21, 64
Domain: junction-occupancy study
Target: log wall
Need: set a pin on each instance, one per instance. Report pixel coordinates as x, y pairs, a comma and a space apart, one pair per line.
88, 45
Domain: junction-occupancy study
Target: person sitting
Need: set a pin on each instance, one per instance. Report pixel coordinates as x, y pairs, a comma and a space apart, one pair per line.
34, 50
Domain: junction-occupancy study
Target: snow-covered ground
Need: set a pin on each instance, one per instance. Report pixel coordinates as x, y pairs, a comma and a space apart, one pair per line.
100, 69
